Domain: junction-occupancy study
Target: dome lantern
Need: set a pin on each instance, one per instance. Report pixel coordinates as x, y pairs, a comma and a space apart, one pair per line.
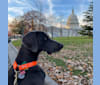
72, 11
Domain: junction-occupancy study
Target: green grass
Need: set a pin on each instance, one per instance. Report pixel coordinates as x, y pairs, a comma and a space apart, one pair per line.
61, 63
58, 62
16, 43
79, 72
76, 41
76, 72
66, 41
66, 58
82, 46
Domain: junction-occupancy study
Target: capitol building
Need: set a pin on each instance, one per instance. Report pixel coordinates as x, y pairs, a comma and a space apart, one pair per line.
72, 27
72, 22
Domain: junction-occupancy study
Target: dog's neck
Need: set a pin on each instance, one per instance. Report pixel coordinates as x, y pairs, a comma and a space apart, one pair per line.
25, 55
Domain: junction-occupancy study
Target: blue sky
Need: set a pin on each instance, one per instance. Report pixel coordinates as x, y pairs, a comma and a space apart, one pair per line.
51, 7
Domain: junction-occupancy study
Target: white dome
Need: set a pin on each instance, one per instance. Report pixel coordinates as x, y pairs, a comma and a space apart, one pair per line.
72, 21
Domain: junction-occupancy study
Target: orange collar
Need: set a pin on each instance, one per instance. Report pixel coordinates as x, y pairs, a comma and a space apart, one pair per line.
24, 66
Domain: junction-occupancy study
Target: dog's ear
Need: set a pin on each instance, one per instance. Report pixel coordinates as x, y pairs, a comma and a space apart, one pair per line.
30, 41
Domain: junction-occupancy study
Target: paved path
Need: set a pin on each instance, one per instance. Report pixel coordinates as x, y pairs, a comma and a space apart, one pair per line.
12, 53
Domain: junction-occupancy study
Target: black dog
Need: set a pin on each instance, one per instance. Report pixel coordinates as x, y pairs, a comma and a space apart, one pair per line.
32, 44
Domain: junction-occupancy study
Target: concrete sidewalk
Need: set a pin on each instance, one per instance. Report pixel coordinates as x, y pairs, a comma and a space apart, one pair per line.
12, 53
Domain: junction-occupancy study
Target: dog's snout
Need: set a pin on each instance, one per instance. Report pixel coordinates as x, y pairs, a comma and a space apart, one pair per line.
60, 46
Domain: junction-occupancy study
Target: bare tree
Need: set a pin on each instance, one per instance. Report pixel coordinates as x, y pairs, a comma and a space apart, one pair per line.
38, 4
51, 22
61, 21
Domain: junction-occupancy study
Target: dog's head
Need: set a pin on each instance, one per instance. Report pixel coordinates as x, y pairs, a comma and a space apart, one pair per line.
38, 41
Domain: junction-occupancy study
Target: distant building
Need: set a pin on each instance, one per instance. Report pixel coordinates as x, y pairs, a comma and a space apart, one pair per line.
72, 22
72, 27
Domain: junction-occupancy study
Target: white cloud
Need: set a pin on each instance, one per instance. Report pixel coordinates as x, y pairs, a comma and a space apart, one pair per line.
90, 0
80, 18
62, 5
81, 9
10, 18
49, 12
50, 6
26, 4
20, 2
18, 10
55, 21
59, 25
9, 1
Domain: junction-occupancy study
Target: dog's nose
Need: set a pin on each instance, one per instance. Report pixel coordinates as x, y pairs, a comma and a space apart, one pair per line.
60, 46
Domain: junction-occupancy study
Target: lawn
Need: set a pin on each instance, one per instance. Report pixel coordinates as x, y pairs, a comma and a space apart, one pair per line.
81, 45
74, 47
66, 41
17, 43
76, 57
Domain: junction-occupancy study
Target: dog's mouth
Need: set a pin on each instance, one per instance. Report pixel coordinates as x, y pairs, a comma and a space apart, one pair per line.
49, 53
55, 51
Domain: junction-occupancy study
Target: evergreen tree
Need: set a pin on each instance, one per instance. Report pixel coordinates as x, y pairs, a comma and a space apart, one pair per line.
88, 20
